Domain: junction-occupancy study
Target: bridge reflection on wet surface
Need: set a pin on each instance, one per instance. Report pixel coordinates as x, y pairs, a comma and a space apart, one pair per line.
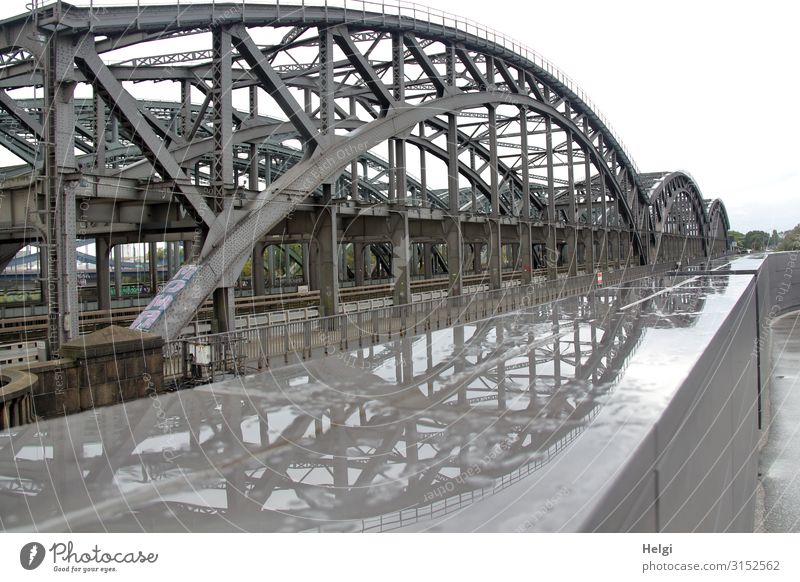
370, 439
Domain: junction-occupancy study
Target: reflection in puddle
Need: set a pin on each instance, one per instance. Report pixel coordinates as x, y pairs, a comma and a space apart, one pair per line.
371, 439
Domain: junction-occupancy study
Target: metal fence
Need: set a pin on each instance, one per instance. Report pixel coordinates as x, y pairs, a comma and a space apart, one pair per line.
269, 345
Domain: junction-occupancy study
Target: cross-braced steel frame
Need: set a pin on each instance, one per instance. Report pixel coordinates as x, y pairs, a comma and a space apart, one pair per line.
349, 122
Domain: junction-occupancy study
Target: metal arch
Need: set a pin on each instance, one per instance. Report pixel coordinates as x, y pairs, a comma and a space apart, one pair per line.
274, 203
717, 208
665, 190
718, 216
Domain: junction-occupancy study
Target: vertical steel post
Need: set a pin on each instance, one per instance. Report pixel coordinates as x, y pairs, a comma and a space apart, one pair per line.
59, 194
102, 273
222, 165
526, 244
551, 252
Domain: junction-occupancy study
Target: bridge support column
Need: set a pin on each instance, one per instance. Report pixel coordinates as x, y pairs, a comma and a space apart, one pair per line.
572, 250
271, 266
604, 249
342, 261
224, 309
152, 258
118, 271
427, 259
525, 242
312, 266
401, 258
495, 255
526, 252
589, 258
257, 269
188, 248
59, 194
358, 263
495, 231
306, 247
167, 260
455, 267
287, 264
571, 230
327, 248
102, 271
551, 251
452, 226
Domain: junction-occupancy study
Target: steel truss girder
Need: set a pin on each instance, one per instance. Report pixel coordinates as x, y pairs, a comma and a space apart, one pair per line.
164, 20
274, 85
121, 103
363, 67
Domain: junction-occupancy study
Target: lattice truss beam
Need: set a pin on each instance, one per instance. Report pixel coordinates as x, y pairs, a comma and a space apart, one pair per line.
285, 107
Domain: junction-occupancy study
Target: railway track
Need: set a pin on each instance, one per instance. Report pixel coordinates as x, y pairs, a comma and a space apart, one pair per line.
32, 327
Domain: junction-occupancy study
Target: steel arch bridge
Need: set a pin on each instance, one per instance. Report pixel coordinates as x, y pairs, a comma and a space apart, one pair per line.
329, 122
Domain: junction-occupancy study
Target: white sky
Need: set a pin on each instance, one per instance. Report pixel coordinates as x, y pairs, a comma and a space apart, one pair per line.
706, 87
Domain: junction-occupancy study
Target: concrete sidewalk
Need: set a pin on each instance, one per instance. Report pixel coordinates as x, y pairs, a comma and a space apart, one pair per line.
780, 457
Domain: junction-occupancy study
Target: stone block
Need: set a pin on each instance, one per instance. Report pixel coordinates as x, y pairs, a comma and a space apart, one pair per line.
110, 341
86, 397
96, 371
155, 363
106, 393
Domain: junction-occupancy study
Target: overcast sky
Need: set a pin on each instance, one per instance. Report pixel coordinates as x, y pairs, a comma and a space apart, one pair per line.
706, 87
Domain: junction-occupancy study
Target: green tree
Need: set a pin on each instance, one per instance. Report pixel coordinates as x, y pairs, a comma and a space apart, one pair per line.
737, 237
756, 240
791, 240
247, 270
774, 239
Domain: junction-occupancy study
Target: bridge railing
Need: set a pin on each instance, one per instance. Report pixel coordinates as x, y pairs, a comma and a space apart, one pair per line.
210, 356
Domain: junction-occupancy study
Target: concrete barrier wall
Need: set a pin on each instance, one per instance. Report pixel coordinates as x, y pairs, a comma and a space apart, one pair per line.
697, 471
679, 457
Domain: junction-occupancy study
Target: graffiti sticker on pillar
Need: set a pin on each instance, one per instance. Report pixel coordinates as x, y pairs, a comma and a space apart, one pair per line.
164, 299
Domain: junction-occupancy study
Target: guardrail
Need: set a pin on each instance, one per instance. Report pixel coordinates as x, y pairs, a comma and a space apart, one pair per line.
22, 352
264, 346
258, 310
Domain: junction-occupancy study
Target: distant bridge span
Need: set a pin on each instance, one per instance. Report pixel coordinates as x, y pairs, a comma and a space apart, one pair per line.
392, 123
